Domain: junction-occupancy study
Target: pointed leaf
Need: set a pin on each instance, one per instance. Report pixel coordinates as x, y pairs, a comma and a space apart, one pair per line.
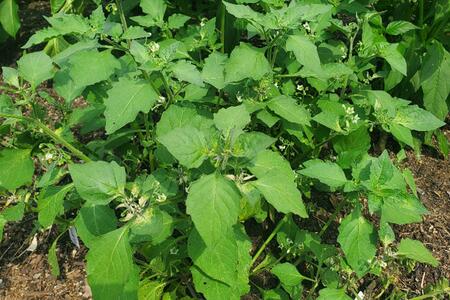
18, 160
416, 250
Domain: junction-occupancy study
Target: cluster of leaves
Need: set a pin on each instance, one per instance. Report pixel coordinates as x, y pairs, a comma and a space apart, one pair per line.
203, 118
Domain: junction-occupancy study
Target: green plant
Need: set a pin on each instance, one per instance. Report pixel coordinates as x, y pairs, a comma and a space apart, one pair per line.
188, 136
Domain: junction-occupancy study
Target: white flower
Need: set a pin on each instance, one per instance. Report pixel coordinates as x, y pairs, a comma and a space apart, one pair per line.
300, 87
48, 156
360, 296
289, 241
239, 98
282, 147
162, 99
306, 26
174, 251
355, 119
154, 47
161, 197
349, 110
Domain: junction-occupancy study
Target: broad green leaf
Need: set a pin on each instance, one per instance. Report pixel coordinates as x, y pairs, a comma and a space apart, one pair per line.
126, 99
416, 250
178, 116
9, 16
395, 59
90, 67
328, 173
402, 134
246, 61
155, 10
95, 221
111, 272
184, 70
400, 27
213, 70
98, 182
358, 240
221, 270
352, 146
281, 194
51, 203
415, 118
7, 106
176, 21
287, 108
402, 208
249, 144
14, 213
335, 294
187, 144
288, 274
10, 76
269, 162
386, 234
213, 203
232, 118
153, 225
35, 68
65, 86
150, 290
434, 80
305, 52
16, 168
241, 11
61, 24
62, 57
135, 32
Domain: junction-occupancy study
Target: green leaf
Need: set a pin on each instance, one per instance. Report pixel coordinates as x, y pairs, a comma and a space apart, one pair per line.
386, 234
269, 162
402, 134
221, 270
126, 99
65, 86
305, 52
98, 182
358, 240
52, 258
9, 16
178, 117
241, 11
402, 208
94, 221
51, 203
232, 118
213, 70
35, 68
282, 194
110, 269
14, 213
213, 203
434, 80
10, 76
416, 250
16, 168
328, 173
287, 108
184, 70
135, 32
395, 59
288, 274
352, 146
153, 225
176, 21
415, 118
246, 61
155, 10
90, 67
400, 27
335, 294
187, 144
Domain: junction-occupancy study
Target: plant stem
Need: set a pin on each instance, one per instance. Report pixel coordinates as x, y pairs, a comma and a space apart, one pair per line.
271, 236
50, 133
333, 216
349, 58
421, 10
123, 20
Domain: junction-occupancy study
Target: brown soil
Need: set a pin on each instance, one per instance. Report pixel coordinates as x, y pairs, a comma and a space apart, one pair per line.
432, 178
26, 275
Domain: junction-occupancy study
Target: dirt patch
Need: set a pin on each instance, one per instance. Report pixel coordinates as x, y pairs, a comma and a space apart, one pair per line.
432, 178
26, 275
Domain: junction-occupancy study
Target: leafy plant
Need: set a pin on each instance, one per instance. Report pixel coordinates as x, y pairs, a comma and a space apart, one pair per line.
188, 136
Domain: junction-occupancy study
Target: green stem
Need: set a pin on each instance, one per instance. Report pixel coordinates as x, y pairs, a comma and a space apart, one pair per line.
123, 20
349, 58
50, 133
271, 236
222, 25
421, 10
169, 92
432, 294
333, 216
